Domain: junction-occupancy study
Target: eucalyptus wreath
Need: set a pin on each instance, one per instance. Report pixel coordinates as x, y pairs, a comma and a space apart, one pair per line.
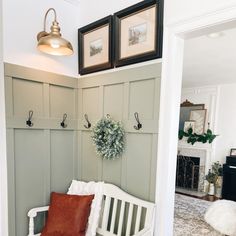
108, 138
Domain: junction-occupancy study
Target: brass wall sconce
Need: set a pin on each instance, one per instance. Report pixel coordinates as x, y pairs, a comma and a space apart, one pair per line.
52, 43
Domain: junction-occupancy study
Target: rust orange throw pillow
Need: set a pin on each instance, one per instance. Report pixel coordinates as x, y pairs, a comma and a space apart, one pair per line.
67, 215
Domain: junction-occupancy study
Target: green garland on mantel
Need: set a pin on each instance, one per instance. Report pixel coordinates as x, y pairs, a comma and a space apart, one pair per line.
193, 137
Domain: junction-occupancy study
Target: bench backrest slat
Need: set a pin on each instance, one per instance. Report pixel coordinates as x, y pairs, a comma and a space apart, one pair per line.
124, 214
138, 219
121, 218
113, 217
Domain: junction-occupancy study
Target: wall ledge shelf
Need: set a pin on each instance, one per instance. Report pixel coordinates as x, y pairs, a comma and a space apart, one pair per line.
122, 68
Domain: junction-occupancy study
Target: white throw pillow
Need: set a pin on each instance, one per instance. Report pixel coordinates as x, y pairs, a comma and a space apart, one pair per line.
96, 188
221, 215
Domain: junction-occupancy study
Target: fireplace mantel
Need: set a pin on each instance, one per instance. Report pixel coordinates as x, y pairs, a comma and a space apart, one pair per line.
183, 144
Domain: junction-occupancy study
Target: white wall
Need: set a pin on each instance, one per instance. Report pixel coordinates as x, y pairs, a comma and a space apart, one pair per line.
174, 10
3, 169
221, 113
22, 20
92, 10
226, 121
186, 9
203, 95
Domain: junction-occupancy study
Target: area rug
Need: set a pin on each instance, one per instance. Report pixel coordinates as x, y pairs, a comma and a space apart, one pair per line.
189, 217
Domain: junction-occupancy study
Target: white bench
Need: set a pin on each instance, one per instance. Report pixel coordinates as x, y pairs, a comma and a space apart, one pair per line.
120, 210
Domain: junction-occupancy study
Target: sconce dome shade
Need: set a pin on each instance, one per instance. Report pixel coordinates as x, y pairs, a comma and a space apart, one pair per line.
52, 43
55, 45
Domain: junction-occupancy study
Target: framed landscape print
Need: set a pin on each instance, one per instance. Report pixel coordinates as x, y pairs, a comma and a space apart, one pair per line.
95, 46
138, 33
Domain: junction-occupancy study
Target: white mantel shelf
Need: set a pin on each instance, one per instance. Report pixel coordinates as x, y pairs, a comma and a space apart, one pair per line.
183, 144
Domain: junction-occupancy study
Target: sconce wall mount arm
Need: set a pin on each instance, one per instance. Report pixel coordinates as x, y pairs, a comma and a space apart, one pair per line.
52, 43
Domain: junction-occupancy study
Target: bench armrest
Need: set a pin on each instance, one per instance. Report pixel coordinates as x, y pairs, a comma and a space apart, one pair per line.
144, 232
33, 213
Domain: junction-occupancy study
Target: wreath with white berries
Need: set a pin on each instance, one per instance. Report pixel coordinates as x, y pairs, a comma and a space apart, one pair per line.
108, 138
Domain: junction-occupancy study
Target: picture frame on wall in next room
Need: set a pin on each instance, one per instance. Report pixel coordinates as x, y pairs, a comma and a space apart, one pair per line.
95, 46
138, 33
233, 152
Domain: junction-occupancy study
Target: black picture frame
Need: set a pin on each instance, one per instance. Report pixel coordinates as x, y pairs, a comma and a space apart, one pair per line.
86, 29
157, 53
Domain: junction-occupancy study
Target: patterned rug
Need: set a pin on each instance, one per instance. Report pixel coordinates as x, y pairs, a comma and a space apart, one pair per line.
189, 217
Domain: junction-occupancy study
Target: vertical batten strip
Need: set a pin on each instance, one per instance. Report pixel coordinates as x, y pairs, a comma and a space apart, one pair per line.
125, 117
101, 113
113, 218
122, 211
47, 142
80, 108
76, 106
106, 213
47, 165
79, 133
46, 101
9, 96
75, 155
11, 180
128, 228
138, 219
153, 163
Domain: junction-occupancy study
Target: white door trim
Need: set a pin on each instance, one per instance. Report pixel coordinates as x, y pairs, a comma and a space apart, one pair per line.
173, 48
3, 155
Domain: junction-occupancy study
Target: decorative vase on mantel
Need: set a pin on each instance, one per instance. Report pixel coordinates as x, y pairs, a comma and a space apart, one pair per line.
211, 189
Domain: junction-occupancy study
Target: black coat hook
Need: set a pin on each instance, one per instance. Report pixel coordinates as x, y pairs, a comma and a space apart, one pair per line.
63, 125
89, 124
29, 122
139, 125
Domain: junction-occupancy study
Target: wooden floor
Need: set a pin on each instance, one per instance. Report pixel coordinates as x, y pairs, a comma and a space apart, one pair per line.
210, 198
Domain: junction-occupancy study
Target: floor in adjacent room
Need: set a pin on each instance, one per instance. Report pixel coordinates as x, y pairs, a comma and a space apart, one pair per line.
189, 217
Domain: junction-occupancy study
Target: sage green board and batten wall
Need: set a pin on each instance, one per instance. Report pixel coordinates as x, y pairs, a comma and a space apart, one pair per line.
43, 158
46, 157
120, 94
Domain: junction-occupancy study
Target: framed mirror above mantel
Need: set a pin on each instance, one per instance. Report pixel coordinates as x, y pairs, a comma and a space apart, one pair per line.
185, 112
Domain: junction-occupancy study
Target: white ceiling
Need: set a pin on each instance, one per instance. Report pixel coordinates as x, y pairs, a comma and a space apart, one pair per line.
210, 61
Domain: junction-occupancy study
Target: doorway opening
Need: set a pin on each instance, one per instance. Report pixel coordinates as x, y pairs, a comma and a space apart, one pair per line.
206, 122
175, 35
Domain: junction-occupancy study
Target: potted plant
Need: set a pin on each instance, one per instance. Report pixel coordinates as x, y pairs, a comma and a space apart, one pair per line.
211, 177
218, 169
214, 178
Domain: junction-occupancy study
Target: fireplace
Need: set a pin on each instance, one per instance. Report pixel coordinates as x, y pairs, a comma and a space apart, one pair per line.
187, 172
198, 160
